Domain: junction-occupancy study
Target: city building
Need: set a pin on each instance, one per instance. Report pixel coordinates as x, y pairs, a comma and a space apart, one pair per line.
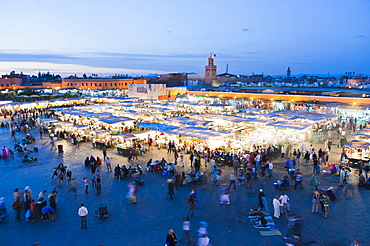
99, 83
147, 91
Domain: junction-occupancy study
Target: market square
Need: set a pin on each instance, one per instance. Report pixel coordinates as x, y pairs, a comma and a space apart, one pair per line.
148, 221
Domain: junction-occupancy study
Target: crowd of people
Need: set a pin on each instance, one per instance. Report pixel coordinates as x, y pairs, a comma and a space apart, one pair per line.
203, 164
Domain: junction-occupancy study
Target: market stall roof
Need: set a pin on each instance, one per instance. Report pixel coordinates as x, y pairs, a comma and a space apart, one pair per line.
225, 117
363, 136
65, 123
187, 121
115, 120
127, 136
294, 115
156, 126
197, 132
252, 109
356, 144
80, 126
365, 131
102, 132
49, 120
292, 125
255, 120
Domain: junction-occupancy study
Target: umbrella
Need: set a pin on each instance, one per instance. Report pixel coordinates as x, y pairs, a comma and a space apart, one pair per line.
314, 182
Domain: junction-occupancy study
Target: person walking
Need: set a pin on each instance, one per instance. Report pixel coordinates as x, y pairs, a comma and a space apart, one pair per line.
225, 195
86, 183
191, 205
270, 167
171, 239
298, 181
17, 206
306, 157
182, 159
170, 188
203, 240
98, 185
83, 212
93, 179
326, 202
69, 177
315, 202
191, 159
185, 231
108, 162
73, 187
232, 180
131, 193
216, 175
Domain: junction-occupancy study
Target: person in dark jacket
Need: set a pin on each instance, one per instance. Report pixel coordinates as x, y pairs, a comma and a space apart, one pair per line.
52, 201
171, 239
170, 187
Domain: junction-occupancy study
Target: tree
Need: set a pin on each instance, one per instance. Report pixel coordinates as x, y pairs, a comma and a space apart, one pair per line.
29, 92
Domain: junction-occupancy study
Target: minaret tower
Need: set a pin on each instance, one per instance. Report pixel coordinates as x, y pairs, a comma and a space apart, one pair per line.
211, 70
288, 72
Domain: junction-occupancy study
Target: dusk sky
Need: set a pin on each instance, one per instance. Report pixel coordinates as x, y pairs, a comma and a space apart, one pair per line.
161, 36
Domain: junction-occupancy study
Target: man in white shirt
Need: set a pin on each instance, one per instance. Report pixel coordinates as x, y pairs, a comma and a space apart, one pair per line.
83, 212
270, 166
41, 195
107, 162
283, 200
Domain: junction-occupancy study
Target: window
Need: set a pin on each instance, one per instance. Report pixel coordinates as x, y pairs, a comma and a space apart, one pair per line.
2, 85
100, 84
125, 83
110, 84
115, 84
95, 84
7, 85
90, 84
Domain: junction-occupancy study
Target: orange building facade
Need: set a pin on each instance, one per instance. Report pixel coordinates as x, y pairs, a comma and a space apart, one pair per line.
99, 84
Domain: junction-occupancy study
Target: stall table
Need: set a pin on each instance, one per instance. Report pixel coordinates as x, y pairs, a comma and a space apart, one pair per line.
123, 151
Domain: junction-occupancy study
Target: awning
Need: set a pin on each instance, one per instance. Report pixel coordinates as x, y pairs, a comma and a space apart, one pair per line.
115, 120
197, 132
49, 120
356, 144
126, 136
187, 121
156, 126
290, 124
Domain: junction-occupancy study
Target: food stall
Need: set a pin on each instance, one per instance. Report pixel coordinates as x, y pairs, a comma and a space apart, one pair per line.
357, 152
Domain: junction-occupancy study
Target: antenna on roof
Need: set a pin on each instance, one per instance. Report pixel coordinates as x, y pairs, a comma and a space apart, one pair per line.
227, 68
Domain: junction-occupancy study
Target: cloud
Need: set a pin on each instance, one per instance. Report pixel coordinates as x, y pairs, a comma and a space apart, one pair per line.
32, 57
68, 69
360, 36
245, 29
